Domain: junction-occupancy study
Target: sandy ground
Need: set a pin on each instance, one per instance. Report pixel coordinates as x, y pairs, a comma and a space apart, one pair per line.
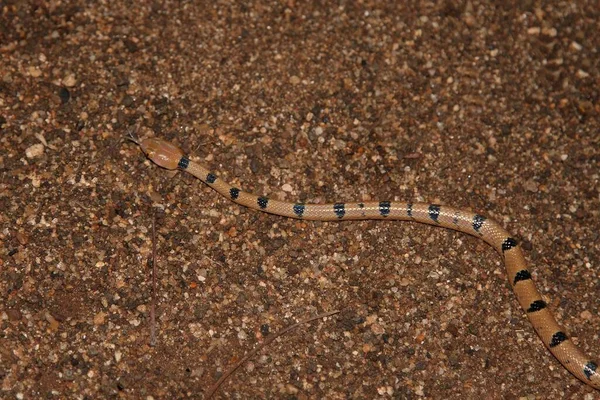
487, 107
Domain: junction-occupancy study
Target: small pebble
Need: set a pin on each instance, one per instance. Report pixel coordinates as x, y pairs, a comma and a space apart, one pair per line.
35, 72
13, 314
581, 74
34, 151
127, 101
531, 186
250, 366
99, 318
377, 329
586, 315
54, 324
69, 80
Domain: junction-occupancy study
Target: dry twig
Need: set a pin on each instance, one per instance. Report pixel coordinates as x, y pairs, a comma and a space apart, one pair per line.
153, 304
252, 353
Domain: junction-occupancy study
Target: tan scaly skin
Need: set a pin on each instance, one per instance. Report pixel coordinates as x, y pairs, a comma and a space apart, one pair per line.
560, 345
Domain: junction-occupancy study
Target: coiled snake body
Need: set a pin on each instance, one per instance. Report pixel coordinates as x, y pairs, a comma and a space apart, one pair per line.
560, 345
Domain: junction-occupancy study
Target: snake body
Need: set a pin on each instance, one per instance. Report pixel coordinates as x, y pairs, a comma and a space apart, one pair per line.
552, 335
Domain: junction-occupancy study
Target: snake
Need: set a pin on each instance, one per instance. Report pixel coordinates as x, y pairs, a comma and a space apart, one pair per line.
169, 156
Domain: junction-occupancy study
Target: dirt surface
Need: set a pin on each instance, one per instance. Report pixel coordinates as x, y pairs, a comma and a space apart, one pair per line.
493, 108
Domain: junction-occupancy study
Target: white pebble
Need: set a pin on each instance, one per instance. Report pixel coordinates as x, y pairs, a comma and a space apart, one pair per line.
576, 46
69, 80
34, 151
581, 74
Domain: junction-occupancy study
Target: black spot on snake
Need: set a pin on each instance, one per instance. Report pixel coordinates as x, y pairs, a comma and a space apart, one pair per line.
434, 212
384, 208
478, 221
339, 209
211, 178
262, 202
536, 306
522, 275
509, 243
299, 209
184, 162
455, 218
590, 369
557, 339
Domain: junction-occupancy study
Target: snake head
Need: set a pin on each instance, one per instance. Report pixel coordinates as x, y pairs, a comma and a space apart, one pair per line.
162, 153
